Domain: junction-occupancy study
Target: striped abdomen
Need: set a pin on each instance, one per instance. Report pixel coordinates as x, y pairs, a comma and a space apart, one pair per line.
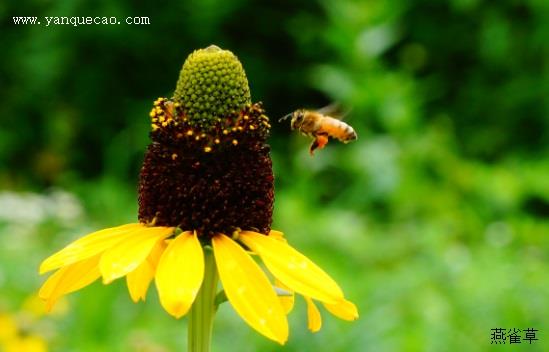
337, 129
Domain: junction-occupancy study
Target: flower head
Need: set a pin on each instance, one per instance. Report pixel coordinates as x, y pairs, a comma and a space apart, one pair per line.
22, 330
206, 191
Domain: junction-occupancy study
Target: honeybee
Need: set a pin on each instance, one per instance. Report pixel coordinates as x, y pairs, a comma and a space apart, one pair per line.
319, 125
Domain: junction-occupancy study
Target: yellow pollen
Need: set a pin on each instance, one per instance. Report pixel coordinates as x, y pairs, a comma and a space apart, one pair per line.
152, 113
216, 141
208, 149
179, 135
164, 124
197, 138
240, 128
203, 135
154, 127
235, 142
246, 117
252, 127
189, 132
174, 156
225, 132
233, 129
177, 105
236, 233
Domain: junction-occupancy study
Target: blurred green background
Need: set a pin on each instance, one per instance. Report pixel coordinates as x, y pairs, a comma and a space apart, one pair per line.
435, 222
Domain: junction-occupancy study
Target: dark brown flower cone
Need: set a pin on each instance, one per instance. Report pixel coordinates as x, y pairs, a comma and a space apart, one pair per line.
208, 167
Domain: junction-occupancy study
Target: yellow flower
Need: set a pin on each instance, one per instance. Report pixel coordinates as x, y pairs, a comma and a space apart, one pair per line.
176, 262
8, 327
13, 339
206, 174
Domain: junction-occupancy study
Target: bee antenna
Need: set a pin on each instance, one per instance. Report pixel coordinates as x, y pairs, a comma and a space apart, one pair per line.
285, 117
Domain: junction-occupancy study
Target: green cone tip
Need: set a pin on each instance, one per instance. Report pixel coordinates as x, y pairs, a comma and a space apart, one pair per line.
212, 85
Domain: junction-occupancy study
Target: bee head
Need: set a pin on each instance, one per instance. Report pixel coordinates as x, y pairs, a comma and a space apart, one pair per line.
297, 119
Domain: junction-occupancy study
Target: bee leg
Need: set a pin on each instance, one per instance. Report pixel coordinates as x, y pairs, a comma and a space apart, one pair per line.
320, 141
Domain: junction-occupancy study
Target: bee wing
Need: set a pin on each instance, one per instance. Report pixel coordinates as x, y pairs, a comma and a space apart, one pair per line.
330, 109
334, 110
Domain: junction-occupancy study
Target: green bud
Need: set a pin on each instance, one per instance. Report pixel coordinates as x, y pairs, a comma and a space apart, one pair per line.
211, 73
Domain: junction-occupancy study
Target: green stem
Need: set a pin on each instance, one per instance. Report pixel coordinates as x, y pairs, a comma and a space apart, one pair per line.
203, 309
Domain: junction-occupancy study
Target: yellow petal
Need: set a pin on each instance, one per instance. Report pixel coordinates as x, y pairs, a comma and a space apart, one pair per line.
69, 279
287, 301
249, 290
180, 273
313, 315
138, 281
343, 309
26, 343
277, 235
8, 327
293, 268
126, 255
88, 246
